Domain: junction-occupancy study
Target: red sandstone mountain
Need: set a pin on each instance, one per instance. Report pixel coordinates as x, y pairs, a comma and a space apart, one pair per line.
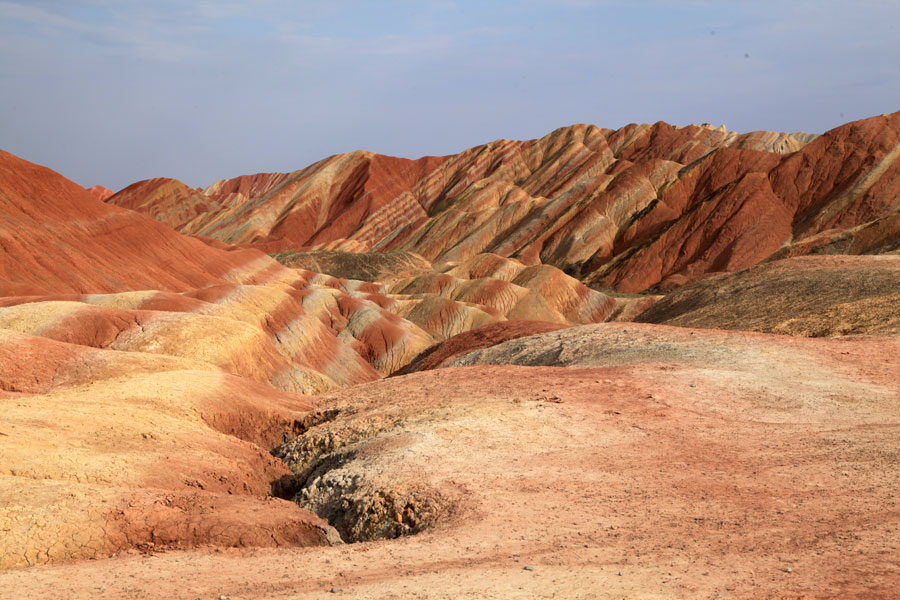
57, 237
100, 193
637, 208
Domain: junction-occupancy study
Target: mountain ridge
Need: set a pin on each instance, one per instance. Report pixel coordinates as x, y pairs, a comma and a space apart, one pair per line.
603, 205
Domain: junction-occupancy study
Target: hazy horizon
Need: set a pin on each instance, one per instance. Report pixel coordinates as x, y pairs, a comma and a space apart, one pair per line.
110, 92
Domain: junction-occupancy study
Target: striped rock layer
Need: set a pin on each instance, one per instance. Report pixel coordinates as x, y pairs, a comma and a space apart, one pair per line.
645, 206
145, 375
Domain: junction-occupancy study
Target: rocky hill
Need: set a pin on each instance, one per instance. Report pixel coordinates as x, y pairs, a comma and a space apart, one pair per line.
643, 207
813, 296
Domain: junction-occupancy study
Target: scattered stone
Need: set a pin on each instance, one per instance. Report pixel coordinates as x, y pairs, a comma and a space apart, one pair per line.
528, 568
335, 590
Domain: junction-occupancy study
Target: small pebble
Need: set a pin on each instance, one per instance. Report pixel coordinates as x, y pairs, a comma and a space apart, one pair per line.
620, 573
223, 597
334, 590
528, 568
788, 570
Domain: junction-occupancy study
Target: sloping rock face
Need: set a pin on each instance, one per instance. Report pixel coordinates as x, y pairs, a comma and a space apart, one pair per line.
643, 207
56, 237
166, 200
808, 296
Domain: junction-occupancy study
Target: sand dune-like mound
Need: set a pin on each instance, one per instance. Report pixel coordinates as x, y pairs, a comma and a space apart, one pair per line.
106, 451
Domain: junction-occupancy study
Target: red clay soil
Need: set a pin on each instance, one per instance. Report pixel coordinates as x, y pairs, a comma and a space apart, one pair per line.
100, 193
178, 520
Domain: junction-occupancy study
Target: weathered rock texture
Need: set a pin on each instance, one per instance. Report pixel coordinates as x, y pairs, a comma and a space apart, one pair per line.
646, 206
106, 451
100, 193
807, 296
57, 237
81, 271
382, 266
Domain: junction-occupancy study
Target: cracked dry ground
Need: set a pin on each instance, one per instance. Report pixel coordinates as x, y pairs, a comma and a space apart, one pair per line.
614, 460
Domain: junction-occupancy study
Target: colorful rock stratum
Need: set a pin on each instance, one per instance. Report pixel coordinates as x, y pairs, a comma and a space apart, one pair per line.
656, 362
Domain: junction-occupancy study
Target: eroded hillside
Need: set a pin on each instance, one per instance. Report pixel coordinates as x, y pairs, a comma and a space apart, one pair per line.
642, 207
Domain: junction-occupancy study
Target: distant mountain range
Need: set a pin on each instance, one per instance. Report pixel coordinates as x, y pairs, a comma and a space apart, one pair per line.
645, 207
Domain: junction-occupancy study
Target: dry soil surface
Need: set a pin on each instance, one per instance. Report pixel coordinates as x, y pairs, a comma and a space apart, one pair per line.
713, 465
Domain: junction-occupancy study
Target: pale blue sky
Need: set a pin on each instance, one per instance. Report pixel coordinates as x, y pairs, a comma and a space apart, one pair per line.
112, 91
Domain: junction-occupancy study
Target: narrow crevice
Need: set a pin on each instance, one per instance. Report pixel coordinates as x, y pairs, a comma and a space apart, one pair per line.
357, 502
286, 487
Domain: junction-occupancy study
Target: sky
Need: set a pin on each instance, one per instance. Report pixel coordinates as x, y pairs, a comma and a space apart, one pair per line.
114, 91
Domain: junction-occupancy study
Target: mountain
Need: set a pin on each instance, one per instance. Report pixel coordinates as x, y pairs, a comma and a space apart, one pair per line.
645, 207
381, 377
58, 237
100, 193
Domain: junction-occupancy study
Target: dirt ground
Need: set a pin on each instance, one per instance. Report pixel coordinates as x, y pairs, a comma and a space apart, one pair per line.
679, 473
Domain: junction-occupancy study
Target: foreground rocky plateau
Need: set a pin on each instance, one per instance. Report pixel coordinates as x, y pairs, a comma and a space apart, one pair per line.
475, 405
